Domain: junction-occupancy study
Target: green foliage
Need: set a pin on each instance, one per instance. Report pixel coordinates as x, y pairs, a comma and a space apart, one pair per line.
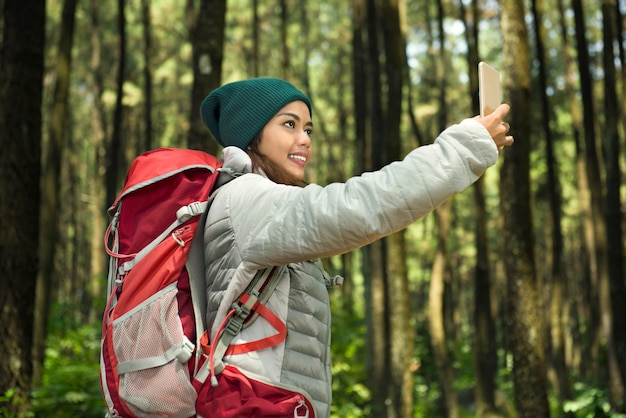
4, 400
350, 394
590, 402
7, 400
70, 383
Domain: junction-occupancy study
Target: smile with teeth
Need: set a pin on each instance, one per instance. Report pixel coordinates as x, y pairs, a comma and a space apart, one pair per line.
298, 157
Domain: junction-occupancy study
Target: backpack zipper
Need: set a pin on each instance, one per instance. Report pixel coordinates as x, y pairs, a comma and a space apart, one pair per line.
301, 404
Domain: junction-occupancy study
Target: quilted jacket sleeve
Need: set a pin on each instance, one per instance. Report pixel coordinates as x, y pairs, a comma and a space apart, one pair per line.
277, 224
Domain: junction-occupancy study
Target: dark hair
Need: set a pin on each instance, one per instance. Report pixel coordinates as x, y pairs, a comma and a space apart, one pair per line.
274, 173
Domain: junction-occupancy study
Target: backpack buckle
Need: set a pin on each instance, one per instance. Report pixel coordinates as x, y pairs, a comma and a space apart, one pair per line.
185, 351
335, 281
187, 212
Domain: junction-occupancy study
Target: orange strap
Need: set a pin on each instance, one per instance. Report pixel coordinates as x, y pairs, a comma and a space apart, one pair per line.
260, 344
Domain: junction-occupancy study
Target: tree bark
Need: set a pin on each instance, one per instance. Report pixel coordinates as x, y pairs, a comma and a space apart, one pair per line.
359, 59
600, 271
255, 38
378, 254
400, 333
368, 105
438, 288
558, 304
378, 250
619, 35
613, 214
147, 73
523, 319
306, 54
21, 79
98, 186
485, 345
207, 39
51, 184
585, 301
377, 328
115, 149
436, 323
285, 61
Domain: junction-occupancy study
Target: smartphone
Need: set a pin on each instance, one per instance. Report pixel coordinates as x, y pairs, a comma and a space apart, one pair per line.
489, 93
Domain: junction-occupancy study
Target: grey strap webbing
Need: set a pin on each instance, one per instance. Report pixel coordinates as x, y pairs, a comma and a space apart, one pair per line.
195, 268
260, 289
182, 352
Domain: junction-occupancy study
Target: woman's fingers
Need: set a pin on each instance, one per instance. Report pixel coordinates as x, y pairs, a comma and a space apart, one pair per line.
497, 127
500, 112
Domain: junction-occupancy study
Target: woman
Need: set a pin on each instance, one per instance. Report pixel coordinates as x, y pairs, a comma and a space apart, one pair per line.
262, 218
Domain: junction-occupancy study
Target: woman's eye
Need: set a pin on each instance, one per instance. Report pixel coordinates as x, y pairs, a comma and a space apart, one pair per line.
290, 124
309, 132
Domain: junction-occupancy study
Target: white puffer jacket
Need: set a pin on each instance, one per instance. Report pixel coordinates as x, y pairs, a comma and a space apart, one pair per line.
255, 223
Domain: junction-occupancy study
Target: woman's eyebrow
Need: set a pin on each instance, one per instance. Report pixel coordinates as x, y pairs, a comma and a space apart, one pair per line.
296, 117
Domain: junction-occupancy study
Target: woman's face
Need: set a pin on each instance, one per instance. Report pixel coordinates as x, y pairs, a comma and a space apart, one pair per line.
286, 139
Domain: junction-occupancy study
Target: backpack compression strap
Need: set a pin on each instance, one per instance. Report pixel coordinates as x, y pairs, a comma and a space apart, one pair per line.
251, 303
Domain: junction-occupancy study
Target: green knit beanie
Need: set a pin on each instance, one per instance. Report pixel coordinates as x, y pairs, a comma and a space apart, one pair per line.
236, 112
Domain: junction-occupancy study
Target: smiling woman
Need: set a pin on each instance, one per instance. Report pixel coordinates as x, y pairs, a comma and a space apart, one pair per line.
259, 219
240, 114
285, 142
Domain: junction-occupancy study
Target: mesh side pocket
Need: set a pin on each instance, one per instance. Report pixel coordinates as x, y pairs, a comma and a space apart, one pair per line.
144, 336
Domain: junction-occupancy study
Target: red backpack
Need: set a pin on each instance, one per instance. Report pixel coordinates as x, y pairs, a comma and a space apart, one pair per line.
150, 319
155, 354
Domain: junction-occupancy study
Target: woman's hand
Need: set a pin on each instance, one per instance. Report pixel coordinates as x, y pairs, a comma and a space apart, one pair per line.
498, 128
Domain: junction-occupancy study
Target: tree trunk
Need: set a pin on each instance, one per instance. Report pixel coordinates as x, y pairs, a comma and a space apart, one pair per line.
400, 333
115, 149
368, 103
359, 97
207, 39
485, 345
378, 250
524, 320
377, 328
613, 215
438, 288
436, 323
619, 35
98, 186
255, 38
592, 160
558, 305
284, 45
79, 226
51, 184
147, 73
21, 79
306, 54
585, 300
376, 113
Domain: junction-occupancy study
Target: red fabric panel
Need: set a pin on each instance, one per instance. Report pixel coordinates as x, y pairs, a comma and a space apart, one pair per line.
237, 396
160, 268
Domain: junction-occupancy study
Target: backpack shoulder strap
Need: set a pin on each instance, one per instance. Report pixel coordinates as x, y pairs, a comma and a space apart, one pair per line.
243, 312
195, 269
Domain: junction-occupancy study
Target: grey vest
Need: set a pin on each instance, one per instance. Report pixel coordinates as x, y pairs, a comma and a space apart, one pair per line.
304, 359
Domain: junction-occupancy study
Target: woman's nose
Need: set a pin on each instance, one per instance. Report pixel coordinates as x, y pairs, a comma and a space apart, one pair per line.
304, 139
